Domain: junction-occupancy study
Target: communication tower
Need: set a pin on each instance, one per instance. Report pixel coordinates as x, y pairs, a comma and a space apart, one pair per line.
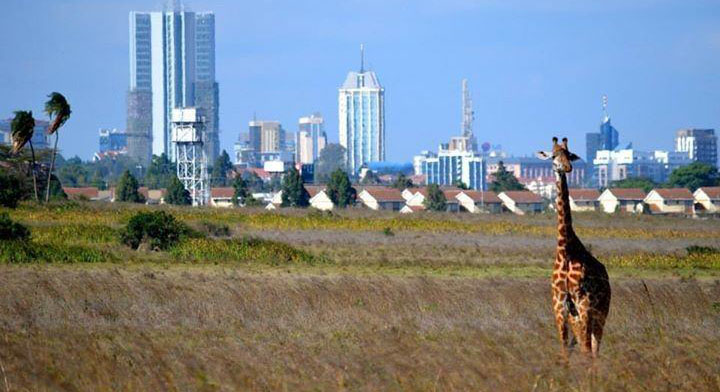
468, 115
187, 136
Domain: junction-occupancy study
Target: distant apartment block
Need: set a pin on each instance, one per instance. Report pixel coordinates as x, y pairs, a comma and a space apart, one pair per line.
450, 167
172, 65
310, 139
266, 141
529, 169
111, 140
610, 166
699, 144
361, 114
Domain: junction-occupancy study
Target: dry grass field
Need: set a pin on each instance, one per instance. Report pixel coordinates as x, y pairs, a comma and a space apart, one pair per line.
355, 300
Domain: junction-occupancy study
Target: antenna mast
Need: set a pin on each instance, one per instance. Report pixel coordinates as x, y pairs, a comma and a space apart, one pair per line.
468, 115
362, 58
604, 107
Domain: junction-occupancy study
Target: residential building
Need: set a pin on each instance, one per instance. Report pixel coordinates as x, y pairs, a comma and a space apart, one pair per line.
319, 198
266, 142
361, 114
419, 161
670, 201
39, 139
112, 140
221, 197
622, 200
452, 166
172, 65
477, 201
310, 138
707, 199
522, 202
381, 198
417, 200
700, 144
616, 165
528, 169
583, 199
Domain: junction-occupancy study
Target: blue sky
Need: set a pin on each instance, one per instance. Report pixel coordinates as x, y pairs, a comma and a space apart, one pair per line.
536, 68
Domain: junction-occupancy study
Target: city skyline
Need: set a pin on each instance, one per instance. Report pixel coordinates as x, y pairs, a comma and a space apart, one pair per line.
529, 79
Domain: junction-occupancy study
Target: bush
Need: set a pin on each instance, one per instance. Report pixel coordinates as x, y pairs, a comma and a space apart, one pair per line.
701, 250
12, 189
10, 230
158, 229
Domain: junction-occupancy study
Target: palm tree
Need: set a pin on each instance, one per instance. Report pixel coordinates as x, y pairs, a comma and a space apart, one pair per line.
23, 127
55, 106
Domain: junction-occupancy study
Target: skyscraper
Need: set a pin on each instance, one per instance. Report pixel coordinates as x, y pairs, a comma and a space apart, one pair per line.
310, 138
700, 144
606, 139
172, 58
361, 113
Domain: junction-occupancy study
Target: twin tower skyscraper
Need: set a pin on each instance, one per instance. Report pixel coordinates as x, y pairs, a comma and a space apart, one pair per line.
172, 65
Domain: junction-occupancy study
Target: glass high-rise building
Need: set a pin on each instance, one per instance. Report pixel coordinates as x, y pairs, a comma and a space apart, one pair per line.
172, 59
361, 113
310, 138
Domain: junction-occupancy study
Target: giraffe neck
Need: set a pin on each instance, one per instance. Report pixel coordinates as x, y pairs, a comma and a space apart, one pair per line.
565, 230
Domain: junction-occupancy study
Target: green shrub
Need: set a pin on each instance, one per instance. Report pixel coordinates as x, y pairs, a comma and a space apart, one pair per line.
12, 189
158, 229
214, 229
701, 250
388, 232
10, 230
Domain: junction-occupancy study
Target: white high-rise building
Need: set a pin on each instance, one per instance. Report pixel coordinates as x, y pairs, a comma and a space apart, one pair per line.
361, 113
172, 57
310, 138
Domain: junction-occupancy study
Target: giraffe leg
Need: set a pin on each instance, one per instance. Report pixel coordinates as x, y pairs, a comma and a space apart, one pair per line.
581, 329
598, 324
561, 322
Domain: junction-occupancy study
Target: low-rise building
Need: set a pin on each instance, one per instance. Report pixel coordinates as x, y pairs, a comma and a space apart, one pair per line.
152, 196
669, 201
81, 193
522, 202
622, 200
221, 197
418, 199
476, 201
707, 199
584, 199
382, 198
319, 198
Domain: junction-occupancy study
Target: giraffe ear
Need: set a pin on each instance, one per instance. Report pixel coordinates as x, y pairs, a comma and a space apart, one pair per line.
544, 155
573, 157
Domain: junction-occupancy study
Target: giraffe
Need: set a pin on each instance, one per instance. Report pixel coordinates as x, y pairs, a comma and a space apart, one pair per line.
580, 283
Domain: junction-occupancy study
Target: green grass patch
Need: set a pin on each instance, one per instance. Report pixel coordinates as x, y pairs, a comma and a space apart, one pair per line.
13, 252
250, 250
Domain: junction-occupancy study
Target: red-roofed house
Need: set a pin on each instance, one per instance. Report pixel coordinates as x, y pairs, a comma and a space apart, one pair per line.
522, 202
476, 201
418, 199
381, 198
670, 201
221, 197
319, 198
583, 199
89, 193
152, 196
622, 199
707, 199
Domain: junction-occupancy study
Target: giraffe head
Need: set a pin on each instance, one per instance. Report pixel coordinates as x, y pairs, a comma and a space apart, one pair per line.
561, 156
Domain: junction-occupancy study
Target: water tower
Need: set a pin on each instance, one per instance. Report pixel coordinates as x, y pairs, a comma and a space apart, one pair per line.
187, 137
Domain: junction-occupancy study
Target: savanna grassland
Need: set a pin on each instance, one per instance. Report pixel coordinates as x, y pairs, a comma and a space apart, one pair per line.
355, 300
